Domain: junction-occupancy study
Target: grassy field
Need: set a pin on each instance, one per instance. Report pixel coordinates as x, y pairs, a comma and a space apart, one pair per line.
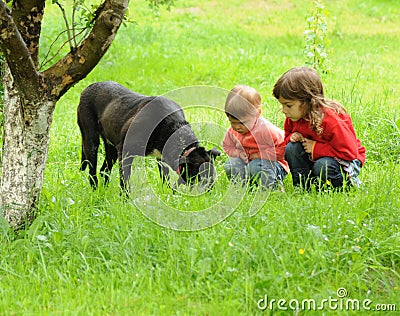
94, 253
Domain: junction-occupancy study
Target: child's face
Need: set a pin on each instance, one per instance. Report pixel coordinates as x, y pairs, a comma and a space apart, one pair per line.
243, 126
293, 109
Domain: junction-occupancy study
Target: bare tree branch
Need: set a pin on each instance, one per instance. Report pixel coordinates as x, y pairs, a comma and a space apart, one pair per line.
46, 59
70, 37
76, 66
73, 23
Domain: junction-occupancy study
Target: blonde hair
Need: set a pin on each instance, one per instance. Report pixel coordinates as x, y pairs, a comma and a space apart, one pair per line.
243, 101
305, 85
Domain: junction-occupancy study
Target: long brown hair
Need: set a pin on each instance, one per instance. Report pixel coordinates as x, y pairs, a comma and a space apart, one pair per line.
305, 85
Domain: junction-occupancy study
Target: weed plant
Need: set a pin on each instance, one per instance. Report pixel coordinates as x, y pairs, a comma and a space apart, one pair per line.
97, 253
316, 38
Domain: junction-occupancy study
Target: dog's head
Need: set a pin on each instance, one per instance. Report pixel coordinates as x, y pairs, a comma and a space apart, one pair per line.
196, 165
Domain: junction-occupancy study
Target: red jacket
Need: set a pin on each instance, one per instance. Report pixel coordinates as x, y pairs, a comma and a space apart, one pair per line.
338, 138
264, 138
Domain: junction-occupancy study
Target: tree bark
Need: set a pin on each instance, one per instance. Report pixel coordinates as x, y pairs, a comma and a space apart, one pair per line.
25, 147
30, 97
17, 55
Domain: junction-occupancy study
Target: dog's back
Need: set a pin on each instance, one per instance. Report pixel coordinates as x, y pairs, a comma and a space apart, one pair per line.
103, 100
110, 108
99, 95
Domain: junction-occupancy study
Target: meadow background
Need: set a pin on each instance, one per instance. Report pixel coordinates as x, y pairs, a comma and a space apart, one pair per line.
93, 253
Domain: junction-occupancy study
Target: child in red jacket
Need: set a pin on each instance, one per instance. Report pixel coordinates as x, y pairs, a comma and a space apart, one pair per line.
321, 143
255, 146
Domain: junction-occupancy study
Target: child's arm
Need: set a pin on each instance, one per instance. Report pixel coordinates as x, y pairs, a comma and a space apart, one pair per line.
341, 143
229, 145
288, 128
271, 143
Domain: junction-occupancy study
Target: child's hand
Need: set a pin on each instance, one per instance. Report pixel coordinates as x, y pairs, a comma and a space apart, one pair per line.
254, 156
296, 137
308, 145
244, 157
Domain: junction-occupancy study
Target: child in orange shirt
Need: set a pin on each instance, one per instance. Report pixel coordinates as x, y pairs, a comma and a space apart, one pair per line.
254, 145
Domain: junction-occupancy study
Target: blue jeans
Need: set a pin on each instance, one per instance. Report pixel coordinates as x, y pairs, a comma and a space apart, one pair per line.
305, 171
267, 172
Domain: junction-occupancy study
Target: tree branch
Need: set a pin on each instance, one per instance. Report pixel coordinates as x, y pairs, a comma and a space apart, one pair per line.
76, 66
71, 45
17, 55
28, 15
48, 59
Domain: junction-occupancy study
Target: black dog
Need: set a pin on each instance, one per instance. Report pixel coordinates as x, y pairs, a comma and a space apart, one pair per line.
132, 124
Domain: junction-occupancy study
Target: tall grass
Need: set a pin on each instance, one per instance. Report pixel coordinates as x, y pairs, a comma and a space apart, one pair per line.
95, 253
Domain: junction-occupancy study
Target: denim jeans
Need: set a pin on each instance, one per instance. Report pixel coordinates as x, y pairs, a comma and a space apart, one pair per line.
305, 171
268, 173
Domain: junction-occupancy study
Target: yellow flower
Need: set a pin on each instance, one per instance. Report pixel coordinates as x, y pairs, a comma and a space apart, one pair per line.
301, 251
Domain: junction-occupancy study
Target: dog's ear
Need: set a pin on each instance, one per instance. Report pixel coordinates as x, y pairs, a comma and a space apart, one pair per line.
214, 153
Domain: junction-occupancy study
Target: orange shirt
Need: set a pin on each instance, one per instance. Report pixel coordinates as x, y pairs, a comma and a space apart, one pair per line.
265, 139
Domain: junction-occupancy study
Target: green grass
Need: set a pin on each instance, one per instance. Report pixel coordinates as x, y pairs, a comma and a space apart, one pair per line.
93, 253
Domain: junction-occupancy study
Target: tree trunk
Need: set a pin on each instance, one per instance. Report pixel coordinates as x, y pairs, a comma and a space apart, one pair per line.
30, 96
25, 147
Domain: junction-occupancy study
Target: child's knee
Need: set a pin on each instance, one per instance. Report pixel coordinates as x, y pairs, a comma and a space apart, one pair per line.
293, 149
234, 166
320, 167
327, 168
259, 165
